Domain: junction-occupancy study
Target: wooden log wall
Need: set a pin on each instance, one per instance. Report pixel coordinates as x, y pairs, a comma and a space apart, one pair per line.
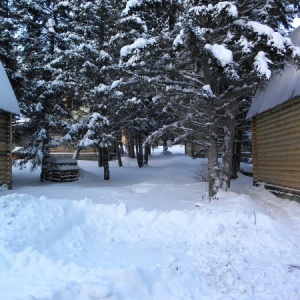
5, 149
276, 146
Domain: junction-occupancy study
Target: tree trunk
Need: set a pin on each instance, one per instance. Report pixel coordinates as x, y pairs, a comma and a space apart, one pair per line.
76, 153
228, 148
105, 163
130, 147
100, 157
237, 154
213, 165
119, 150
45, 152
165, 145
147, 153
139, 151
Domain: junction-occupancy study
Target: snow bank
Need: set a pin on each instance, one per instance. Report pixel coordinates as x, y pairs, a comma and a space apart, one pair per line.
62, 249
148, 233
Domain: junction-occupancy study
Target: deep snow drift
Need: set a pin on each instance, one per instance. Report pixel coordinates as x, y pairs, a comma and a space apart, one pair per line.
148, 233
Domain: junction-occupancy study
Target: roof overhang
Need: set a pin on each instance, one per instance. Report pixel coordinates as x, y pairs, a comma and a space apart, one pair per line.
8, 100
282, 86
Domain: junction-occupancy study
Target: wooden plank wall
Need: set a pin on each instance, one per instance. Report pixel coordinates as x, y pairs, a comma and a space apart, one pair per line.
5, 149
276, 146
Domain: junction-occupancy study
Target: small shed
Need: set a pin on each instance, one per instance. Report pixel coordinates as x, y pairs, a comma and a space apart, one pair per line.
275, 115
8, 107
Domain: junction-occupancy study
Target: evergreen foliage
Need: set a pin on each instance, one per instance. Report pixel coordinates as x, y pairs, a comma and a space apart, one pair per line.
180, 70
45, 87
9, 43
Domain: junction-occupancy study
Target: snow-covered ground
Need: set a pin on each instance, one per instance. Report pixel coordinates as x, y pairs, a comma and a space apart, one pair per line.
246, 168
148, 233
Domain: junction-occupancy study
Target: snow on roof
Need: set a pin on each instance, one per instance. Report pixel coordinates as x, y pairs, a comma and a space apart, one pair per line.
8, 100
280, 88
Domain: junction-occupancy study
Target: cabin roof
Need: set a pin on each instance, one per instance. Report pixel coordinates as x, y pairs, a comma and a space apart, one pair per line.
8, 100
281, 88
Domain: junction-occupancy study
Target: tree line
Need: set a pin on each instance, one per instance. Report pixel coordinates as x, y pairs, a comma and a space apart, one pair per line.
87, 72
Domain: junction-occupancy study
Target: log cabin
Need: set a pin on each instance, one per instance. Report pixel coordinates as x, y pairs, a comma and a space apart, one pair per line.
8, 107
275, 115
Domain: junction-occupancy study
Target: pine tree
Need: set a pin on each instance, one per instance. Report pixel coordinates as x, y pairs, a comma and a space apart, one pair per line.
45, 86
222, 51
143, 42
91, 23
8, 43
235, 49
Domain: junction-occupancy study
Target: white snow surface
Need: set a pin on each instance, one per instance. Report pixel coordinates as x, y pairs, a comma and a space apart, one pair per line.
148, 233
296, 22
221, 53
8, 100
130, 4
217, 9
276, 40
261, 63
139, 43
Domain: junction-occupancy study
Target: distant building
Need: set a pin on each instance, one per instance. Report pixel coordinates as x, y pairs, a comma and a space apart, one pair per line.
8, 106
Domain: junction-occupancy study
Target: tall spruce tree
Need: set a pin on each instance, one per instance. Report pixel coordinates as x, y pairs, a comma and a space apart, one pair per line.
235, 46
223, 50
94, 119
9, 43
143, 41
175, 65
45, 85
